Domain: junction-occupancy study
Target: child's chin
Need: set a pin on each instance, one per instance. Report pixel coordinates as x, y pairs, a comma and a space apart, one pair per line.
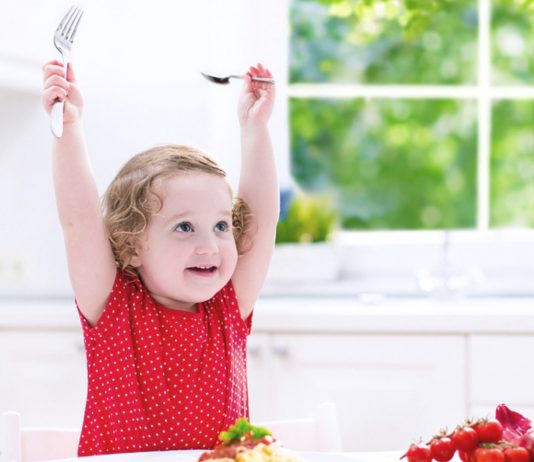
208, 290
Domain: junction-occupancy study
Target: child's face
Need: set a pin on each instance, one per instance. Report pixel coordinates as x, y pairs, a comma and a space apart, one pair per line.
188, 252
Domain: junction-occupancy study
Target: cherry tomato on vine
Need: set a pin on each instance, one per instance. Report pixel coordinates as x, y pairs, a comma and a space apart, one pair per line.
418, 453
464, 456
516, 454
489, 431
488, 455
465, 439
442, 449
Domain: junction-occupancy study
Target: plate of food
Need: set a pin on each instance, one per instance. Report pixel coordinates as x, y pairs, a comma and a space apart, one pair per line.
244, 442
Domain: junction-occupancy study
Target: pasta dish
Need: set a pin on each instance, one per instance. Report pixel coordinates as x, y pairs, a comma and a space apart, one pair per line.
244, 442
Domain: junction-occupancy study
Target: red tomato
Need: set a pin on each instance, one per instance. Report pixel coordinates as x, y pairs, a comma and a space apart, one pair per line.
527, 441
465, 439
516, 454
464, 456
442, 449
488, 455
418, 453
489, 431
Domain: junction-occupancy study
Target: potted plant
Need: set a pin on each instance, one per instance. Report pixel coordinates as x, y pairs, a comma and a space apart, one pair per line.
304, 249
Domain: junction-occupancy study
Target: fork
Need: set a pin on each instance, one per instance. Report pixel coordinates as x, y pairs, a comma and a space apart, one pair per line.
224, 80
63, 38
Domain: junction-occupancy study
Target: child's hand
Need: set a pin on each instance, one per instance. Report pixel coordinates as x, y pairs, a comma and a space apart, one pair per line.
257, 98
57, 88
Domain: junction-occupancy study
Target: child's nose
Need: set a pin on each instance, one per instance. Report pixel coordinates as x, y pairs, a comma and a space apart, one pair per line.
206, 245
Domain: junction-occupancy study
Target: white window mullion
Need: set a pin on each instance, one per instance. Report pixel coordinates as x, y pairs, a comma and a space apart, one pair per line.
484, 114
347, 91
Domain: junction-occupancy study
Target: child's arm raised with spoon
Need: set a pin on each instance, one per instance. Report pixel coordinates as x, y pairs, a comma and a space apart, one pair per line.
258, 186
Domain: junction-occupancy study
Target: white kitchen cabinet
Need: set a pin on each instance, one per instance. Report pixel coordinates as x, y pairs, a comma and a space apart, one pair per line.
389, 389
501, 372
260, 365
398, 371
43, 376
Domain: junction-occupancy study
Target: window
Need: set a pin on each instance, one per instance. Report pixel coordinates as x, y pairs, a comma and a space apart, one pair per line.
416, 114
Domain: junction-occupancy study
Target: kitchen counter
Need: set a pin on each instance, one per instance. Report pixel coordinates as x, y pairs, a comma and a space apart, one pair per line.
337, 314
398, 315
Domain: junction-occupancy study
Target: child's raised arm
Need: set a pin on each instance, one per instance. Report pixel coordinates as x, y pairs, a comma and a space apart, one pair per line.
90, 258
258, 186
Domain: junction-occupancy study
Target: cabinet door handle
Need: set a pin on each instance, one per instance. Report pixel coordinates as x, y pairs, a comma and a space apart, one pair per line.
282, 351
254, 350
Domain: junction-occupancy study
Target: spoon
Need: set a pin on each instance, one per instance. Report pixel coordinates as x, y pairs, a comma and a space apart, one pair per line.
225, 80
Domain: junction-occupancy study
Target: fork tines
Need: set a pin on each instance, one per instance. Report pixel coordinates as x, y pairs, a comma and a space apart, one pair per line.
69, 23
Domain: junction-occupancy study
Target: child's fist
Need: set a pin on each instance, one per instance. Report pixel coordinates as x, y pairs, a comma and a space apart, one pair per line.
58, 88
257, 98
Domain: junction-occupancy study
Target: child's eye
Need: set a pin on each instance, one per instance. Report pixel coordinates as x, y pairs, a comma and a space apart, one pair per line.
222, 226
184, 227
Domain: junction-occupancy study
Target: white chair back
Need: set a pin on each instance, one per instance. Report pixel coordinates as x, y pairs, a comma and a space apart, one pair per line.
320, 432
26, 444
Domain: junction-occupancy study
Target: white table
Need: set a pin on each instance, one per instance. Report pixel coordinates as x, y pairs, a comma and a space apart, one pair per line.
192, 456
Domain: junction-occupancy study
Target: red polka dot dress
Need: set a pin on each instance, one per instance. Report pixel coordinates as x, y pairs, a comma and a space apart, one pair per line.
159, 378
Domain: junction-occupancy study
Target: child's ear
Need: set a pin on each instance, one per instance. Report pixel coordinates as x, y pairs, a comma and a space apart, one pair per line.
135, 261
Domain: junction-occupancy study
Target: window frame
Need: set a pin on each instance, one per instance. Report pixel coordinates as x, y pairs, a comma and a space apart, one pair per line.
503, 255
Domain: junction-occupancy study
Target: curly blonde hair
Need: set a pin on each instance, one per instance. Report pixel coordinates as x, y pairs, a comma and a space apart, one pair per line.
129, 200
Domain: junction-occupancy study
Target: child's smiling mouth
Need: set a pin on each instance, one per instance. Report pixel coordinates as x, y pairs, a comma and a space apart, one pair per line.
203, 270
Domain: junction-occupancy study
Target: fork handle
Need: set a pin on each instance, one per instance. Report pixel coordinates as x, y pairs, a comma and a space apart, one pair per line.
56, 119
56, 115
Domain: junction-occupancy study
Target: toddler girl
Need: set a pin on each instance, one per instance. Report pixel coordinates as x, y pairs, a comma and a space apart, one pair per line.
165, 279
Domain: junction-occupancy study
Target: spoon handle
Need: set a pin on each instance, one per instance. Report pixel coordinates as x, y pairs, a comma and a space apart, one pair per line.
255, 78
263, 79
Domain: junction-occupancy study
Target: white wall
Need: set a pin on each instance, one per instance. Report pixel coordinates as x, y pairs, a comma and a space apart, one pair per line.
138, 64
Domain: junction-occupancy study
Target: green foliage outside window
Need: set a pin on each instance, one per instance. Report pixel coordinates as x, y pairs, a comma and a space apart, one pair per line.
512, 42
394, 164
512, 164
370, 41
